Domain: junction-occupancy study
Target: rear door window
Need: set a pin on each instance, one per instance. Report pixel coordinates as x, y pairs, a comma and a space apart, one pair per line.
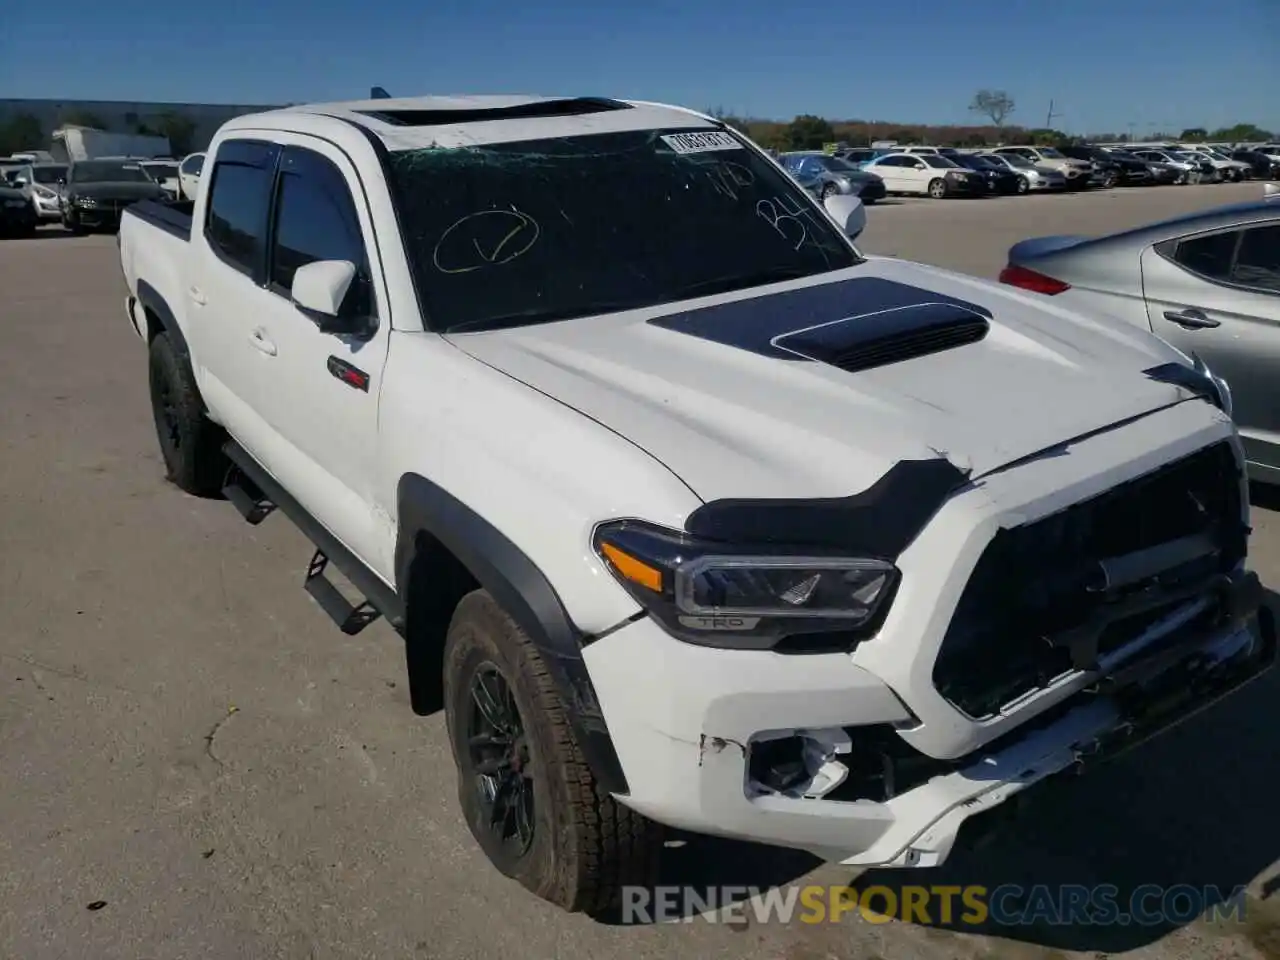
1257, 262
239, 198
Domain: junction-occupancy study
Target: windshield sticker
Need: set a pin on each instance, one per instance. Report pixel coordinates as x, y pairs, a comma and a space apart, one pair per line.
701, 142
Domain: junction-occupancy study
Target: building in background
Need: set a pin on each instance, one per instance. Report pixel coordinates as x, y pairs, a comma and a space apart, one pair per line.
189, 126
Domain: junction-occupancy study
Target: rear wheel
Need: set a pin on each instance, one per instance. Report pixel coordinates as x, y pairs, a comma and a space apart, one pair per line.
828, 190
1024, 185
190, 443
937, 188
1110, 179
526, 791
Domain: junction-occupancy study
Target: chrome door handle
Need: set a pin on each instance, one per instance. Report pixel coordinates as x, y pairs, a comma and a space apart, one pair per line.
1192, 319
262, 342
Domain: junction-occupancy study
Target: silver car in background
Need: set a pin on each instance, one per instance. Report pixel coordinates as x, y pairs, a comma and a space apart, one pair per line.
1030, 177
1207, 282
41, 184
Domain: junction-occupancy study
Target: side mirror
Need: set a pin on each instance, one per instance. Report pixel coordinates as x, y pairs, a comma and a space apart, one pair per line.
319, 290
848, 212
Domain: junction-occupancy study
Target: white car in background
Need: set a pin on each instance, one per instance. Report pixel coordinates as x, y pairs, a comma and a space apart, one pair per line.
1030, 177
163, 172
927, 174
189, 175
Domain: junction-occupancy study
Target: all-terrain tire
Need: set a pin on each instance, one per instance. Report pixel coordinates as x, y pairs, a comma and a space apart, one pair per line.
190, 443
585, 846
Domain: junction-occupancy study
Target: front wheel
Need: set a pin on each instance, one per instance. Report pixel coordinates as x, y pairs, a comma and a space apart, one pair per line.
1110, 179
937, 188
526, 791
1024, 185
828, 190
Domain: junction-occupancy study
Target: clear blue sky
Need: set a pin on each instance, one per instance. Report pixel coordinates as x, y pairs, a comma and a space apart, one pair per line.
1163, 64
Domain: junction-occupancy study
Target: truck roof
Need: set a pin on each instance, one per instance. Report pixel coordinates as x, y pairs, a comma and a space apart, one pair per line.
414, 122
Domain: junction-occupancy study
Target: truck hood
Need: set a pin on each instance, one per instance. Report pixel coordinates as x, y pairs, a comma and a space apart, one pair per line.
740, 394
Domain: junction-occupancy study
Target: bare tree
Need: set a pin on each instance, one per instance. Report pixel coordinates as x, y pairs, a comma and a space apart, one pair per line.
995, 104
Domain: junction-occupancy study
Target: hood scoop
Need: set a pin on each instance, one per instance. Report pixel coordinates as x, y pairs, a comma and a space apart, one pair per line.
888, 336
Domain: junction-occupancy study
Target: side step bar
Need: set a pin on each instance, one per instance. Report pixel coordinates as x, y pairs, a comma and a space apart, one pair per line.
256, 494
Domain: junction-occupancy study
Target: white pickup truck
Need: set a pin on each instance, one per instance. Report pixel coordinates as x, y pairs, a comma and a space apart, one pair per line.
690, 514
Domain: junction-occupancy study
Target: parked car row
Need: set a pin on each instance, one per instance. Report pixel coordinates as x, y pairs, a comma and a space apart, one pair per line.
85, 195
947, 171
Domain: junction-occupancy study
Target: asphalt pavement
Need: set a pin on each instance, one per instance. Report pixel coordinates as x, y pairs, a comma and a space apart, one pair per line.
194, 763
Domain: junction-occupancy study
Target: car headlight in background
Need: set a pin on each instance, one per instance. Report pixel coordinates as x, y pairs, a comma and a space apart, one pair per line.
726, 595
45, 193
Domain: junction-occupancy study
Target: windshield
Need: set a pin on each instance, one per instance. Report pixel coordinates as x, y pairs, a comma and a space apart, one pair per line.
933, 160
508, 234
1017, 160
51, 174
106, 171
1051, 152
837, 165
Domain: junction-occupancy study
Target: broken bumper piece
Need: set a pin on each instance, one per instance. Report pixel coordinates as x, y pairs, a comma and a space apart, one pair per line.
810, 782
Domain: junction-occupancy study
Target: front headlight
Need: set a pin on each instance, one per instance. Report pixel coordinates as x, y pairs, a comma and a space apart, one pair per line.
728, 595
45, 192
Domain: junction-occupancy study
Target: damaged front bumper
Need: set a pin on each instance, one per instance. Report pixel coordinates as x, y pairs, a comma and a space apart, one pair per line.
747, 704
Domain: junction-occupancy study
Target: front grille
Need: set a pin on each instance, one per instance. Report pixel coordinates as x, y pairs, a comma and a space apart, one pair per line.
1037, 585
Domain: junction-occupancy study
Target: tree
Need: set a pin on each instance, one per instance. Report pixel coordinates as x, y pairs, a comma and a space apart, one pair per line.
807, 132
1193, 134
1242, 133
79, 117
995, 104
180, 129
22, 132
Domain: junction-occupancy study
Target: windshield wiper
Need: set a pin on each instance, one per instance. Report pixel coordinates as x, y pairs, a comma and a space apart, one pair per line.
739, 281
535, 315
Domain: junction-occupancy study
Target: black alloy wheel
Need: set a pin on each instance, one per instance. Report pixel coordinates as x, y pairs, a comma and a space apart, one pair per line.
498, 761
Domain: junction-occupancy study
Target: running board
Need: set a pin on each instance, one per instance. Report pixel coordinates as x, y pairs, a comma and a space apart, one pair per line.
259, 488
245, 496
350, 617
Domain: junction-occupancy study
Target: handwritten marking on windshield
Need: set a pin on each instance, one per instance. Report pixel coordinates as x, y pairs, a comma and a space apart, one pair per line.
488, 238
784, 219
729, 178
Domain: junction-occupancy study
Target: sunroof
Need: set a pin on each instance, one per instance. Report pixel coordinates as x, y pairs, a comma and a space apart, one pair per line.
570, 107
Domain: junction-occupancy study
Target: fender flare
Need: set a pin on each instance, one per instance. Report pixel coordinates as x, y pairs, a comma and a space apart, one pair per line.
524, 592
151, 299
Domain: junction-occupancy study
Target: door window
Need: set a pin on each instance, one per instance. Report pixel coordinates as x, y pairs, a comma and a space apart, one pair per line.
240, 194
1248, 258
1257, 261
315, 219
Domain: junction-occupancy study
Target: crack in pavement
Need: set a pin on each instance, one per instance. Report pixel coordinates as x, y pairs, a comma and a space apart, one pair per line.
213, 732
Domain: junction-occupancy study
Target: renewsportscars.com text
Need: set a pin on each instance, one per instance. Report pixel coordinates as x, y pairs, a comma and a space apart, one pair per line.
972, 905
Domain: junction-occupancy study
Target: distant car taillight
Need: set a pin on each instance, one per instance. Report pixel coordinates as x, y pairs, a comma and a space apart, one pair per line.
1026, 279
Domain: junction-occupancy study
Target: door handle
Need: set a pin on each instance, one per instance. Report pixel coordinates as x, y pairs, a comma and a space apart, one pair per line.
262, 342
1191, 319
197, 296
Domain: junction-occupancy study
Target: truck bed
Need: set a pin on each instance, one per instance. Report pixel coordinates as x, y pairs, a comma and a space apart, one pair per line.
172, 218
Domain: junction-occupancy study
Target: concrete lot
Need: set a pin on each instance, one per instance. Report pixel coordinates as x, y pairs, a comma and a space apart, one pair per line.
195, 764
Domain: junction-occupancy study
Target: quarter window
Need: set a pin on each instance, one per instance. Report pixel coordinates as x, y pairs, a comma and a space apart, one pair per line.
1208, 256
